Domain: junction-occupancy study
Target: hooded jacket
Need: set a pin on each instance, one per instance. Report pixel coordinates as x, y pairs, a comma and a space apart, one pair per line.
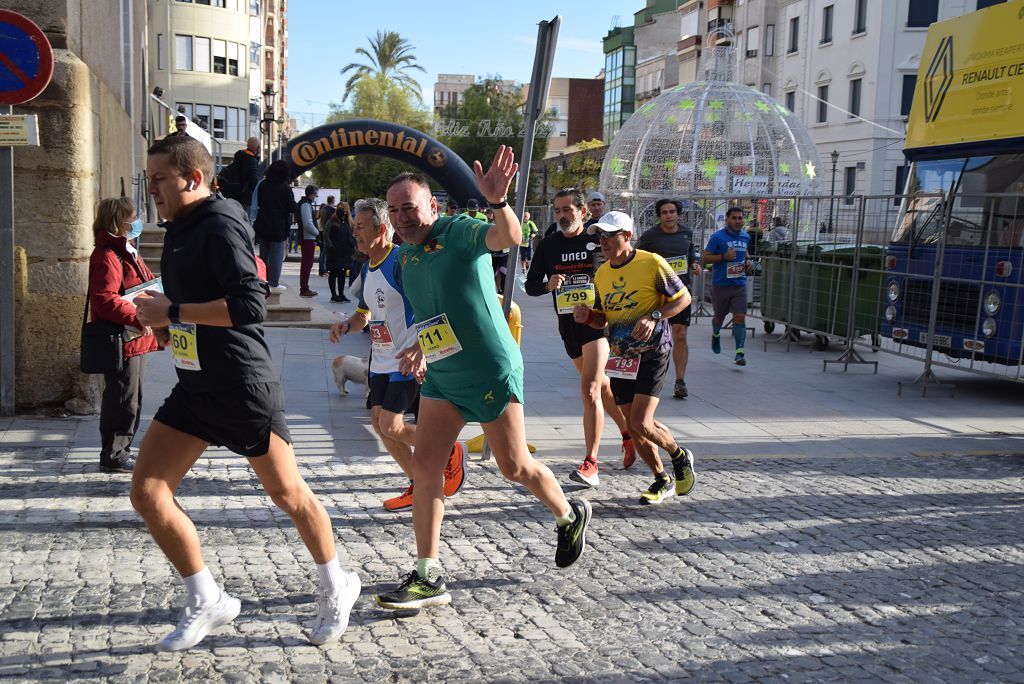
113, 268
208, 255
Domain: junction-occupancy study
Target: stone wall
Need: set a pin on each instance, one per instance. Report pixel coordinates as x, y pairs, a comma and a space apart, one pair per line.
89, 143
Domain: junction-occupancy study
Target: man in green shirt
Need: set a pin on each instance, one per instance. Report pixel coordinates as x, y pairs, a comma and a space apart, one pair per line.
526, 245
471, 366
473, 210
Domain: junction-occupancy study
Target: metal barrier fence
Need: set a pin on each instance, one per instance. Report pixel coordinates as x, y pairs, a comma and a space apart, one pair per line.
932, 277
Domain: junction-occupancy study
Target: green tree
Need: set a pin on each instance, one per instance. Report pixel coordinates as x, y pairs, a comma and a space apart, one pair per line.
488, 116
583, 170
390, 60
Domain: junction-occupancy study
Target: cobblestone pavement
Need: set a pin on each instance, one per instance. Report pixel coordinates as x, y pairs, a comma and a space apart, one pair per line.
816, 560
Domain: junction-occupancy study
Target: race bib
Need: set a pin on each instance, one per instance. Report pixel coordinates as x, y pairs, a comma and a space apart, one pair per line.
437, 339
380, 336
569, 296
183, 346
623, 367
678, 264
736, 269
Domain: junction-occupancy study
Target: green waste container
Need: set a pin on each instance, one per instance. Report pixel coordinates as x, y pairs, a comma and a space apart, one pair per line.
833, 282
778, 270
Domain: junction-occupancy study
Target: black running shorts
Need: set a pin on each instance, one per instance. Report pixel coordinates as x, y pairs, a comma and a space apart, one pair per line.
396, 396
683, 317
574, 335
649, 379
239, 418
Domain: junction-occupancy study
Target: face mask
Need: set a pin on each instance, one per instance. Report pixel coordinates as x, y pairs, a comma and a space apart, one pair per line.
136, 230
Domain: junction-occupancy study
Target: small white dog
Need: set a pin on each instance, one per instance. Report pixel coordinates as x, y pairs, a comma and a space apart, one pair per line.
349, 369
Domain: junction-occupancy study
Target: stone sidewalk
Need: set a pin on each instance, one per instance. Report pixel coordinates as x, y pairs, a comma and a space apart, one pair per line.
838, 532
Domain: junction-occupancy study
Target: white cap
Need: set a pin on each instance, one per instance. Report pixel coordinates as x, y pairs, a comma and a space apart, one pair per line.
595, 196
612, 222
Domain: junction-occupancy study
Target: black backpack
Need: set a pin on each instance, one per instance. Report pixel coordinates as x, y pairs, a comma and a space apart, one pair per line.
229, 183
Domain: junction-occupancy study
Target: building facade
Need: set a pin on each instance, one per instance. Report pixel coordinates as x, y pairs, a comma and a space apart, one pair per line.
213, 59
575, 107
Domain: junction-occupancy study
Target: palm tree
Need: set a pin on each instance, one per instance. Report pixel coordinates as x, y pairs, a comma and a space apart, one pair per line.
390, 58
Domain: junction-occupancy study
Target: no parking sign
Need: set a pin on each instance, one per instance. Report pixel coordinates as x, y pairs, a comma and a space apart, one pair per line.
26, 66
26, 59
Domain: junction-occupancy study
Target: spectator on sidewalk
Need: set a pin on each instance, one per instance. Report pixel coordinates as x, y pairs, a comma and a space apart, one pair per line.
339, 246
115, 266
309, 232
275, 207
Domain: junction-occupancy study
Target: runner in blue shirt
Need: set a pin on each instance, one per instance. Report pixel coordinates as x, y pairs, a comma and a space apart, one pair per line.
727, 252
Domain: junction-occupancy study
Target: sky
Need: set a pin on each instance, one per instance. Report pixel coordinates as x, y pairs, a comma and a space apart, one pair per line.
447, 38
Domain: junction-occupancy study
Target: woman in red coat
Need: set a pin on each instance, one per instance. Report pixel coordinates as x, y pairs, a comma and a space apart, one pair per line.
115, 266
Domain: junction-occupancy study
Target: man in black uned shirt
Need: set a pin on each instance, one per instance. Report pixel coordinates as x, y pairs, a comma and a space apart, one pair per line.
567, 258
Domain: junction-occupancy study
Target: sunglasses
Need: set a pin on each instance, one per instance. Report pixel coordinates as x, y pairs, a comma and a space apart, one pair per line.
604, 235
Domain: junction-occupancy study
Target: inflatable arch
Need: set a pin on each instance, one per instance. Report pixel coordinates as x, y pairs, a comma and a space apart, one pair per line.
367, 136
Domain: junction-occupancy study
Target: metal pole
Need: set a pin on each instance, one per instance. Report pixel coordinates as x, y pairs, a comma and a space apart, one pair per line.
850, 355
7, 361
547, 37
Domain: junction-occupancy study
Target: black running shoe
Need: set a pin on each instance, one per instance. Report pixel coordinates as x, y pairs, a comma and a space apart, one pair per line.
124, 464
416, 592
572, 538
679, 391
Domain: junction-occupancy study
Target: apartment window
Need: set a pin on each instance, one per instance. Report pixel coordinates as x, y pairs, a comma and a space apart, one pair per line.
822, 104
220, 57
826, 24
849, 183
766, 88
233, 59
183, 53
202, 116
769, 40
220, 121
794, 35
982, 4
791, 100
233, 131
922, 13
854, 98
907, 98
901, 182
860, 17
161, 52
202, 53
753, 39
219, 3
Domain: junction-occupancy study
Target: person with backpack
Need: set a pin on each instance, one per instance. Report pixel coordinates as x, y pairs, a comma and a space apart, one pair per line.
238, 179
275, 205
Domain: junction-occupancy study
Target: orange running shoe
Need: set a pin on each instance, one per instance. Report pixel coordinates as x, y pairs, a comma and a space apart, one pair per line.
586, 473
455, 471
628, 452
403, 500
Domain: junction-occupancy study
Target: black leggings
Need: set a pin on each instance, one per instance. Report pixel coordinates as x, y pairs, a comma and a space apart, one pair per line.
333, 276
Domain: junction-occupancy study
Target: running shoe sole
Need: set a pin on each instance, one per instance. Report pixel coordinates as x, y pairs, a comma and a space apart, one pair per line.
462, 468
592, 481
439, 600
649, 502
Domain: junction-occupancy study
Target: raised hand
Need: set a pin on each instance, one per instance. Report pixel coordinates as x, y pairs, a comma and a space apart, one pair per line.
494, 184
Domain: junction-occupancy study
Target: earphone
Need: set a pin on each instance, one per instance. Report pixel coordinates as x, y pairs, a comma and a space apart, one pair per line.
191, 185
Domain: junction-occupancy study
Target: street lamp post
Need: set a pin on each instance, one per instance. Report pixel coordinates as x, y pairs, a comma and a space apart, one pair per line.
267, 122
832, 193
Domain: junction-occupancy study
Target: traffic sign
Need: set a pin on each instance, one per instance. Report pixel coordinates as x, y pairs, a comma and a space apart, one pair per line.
26, 59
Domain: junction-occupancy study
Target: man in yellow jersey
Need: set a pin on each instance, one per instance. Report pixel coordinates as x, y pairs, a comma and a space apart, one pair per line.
636, 292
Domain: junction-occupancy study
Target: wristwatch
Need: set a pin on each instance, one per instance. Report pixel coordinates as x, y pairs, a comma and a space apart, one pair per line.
656, 315
173, 313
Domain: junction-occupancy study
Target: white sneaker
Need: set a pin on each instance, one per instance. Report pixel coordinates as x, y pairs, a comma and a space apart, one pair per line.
333, 611
198, 621
278, 288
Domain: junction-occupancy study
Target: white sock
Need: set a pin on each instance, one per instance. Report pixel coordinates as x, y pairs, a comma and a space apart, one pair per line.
202, 588
332, 577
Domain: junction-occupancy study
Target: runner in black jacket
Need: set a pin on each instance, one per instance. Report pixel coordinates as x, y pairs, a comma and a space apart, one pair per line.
227, 393
567, 259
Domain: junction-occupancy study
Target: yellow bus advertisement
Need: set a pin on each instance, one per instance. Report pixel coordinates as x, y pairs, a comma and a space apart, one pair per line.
970, 86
